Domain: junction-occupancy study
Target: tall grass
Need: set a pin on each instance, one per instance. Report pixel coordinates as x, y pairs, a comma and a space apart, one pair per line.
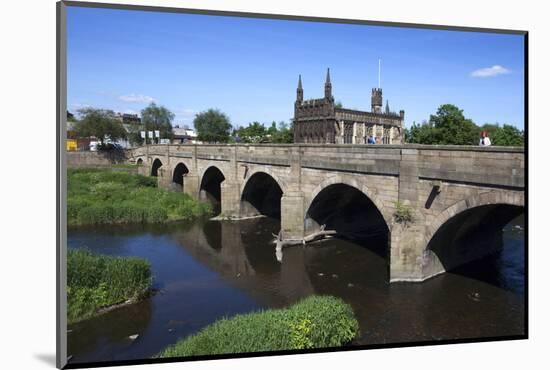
315, 322
97, 281
102, 196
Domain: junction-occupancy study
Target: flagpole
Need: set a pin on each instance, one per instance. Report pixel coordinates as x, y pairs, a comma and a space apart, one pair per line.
378, 72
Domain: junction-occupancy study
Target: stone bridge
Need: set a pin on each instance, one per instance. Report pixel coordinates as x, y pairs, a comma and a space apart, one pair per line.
454, 194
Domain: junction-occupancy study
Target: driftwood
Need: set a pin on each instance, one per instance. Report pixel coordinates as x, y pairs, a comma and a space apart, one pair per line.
322, 233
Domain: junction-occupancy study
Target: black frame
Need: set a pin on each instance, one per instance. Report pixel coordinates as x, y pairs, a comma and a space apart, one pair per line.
61, 190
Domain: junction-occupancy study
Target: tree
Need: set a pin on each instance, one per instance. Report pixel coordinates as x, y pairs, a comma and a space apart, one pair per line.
506, 135
157, 117
447, 127
424, 133
452, 128
212, 126
273, 129
284, 134
99, 123
255, 132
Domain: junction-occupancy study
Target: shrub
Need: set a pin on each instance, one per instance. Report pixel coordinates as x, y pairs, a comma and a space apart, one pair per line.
102, 196
403, 213
97, 281
315, 322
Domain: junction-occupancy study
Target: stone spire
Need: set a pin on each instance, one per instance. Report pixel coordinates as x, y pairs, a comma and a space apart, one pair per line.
387, 107
328, 85
299, 90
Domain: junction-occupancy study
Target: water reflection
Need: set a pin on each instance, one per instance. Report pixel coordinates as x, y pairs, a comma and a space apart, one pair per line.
214, 269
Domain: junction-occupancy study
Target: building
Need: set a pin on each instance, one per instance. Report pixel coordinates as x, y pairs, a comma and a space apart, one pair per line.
127, 118
184, 135
321, 121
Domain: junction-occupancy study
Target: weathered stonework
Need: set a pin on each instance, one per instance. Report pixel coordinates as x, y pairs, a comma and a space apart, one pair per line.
437, 182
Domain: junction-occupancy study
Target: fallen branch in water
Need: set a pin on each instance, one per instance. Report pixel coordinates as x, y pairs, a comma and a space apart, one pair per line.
322, 233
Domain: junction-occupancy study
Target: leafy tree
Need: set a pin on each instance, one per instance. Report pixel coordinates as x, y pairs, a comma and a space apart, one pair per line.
284, 134
212, 126
506, 135
99, 123
255, 132
157, 117
338, 104
273, 129
452, 128
447, 127
424, 133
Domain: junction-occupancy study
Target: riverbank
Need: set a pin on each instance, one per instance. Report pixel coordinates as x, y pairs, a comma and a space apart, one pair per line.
315, 322
105, 196
96, 283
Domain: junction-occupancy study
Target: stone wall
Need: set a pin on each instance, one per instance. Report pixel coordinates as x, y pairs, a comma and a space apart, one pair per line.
96, 159
437, 182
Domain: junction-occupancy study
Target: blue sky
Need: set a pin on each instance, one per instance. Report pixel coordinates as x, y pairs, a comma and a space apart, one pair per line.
248, 68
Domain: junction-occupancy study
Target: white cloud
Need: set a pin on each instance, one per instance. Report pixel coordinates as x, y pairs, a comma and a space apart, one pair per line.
136, 98
490, 71
184, 116
185, 112
78, 105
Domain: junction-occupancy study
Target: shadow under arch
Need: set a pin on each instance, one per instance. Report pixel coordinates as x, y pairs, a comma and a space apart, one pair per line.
139, 162
210, 187
261, 195
469, 235
352, 214
257, 240
179, 171
213, 234
155, 167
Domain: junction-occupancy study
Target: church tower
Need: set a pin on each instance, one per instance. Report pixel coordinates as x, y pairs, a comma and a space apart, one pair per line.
376, 100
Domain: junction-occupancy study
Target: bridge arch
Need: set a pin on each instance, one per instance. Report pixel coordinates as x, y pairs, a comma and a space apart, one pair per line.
155, 167
343, 204
266, 170
179, 171
477, 220
355, 183
210, 187
139, 161
261, 195
477, 200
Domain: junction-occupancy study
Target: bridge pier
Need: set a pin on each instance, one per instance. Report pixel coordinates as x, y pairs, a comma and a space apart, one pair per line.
230, 199
164, 179
409, 260
292, 215
191, 185
144, 169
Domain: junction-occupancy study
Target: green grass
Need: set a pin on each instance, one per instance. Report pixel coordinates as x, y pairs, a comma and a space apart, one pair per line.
315, 322
103, 196
97, 281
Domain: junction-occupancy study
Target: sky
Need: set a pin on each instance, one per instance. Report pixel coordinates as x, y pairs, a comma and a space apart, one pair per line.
248, 68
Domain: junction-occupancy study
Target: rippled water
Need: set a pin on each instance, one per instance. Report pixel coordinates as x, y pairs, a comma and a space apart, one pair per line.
205, 271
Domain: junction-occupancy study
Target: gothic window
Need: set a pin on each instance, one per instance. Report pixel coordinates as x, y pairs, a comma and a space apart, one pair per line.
348, 132
386, 139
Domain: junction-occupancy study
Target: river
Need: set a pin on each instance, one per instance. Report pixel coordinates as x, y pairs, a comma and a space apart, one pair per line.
207, 270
